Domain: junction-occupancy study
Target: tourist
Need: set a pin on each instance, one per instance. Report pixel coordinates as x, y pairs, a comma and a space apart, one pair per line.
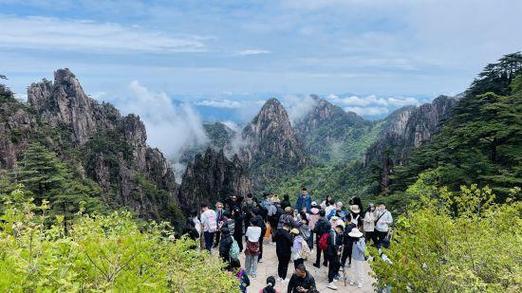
356, 201
337, 211
297, 247
326, 202
301, 281
321, 228
241, 275
358, 257
247, 207
285, 202
314, 217
237, 215
329, 209
258, 220
287, 218
336, 221
253, 233
369, 224
332, 253
347, 245
304, 201
220, 221
225, 245
284, 243
270, 286
355, 216
209, 222
305, 232
382, 225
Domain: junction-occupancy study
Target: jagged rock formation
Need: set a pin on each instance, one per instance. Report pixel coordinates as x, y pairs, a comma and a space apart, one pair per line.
107, 147
17, 125
404, 130
330, 133
219, 135
270, 146
212, 177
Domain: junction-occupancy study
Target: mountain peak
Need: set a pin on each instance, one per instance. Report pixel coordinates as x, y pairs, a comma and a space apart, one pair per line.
270, 139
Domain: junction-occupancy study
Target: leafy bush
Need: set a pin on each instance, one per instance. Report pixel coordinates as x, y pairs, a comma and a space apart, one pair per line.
455, 242
100, 253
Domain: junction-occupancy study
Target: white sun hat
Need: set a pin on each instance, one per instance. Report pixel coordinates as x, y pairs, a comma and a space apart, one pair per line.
355, 233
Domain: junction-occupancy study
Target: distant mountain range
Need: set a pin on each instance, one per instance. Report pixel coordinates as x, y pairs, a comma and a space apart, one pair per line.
326, 148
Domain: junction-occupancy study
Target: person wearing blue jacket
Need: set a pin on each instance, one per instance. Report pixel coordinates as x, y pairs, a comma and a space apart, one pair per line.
304, 201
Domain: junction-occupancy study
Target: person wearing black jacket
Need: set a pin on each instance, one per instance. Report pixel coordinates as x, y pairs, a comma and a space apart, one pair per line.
285, 202
284, 243
321, 227
301, 280
332, 253
347, 245
225, 244
238, 217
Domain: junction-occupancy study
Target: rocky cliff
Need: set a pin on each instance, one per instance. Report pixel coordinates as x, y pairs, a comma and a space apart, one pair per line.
107, 147
212, 177
270, 147
404, 130
330, 133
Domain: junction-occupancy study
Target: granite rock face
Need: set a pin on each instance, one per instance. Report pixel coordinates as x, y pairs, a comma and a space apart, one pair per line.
270, 147
404, 130
112, 148
327, 128
212, 177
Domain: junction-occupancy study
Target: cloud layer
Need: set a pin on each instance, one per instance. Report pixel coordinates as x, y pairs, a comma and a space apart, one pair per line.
82, 35
170, 127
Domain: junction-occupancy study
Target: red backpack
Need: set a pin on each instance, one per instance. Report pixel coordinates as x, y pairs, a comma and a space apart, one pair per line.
323, 241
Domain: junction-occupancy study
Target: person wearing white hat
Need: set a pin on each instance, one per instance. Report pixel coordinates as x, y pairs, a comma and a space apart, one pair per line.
358, 257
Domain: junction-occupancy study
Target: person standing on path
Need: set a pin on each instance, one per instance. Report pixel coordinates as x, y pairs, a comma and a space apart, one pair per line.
347, 245
358, 257
259, 222
369, 224
225, 244
252, 248
238, 217
301, 281
284, 243
332, 253
220, 221
382, 224
321, 227
209, 222
304, 201
314, 217
297, 247
285, 202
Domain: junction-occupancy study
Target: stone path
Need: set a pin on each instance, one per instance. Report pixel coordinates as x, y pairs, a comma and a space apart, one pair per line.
269, 268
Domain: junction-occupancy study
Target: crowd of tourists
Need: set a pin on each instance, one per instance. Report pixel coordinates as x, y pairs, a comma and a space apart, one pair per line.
337, 233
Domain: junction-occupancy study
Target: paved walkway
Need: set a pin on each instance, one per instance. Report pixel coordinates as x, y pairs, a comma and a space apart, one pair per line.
269, 268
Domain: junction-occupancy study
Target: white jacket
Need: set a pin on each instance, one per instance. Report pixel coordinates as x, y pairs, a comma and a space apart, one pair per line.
369, 221
384, 221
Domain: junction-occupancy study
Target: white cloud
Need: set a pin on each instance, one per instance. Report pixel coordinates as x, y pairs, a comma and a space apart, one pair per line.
232, 125
84, 35
248, 52
368, 111
170, 127
217, 103
298, 107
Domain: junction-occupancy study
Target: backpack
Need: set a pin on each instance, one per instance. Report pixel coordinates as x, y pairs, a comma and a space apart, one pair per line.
323, 241
305, 252
233, 253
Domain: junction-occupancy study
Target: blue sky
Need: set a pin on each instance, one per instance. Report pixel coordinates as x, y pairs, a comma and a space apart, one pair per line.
367, 56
